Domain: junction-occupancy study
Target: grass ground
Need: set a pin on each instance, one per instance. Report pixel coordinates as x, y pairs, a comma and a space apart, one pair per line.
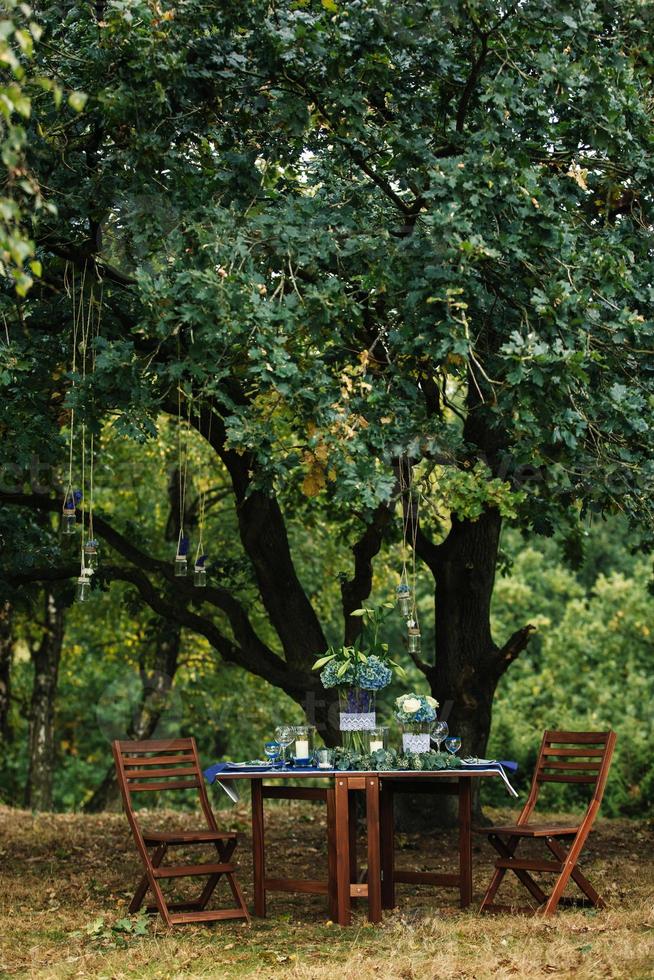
65, 882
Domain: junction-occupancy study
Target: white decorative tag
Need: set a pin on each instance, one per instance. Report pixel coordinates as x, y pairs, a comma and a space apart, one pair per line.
415, 743
357, 722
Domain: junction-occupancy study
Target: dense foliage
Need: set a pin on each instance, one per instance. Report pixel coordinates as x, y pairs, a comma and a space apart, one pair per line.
349, 245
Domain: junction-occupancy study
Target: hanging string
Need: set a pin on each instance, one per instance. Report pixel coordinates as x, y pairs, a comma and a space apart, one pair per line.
182, 464
199, 554
95, 335
86, 333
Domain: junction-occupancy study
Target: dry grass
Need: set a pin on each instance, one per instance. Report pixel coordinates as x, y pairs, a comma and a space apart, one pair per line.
65, 881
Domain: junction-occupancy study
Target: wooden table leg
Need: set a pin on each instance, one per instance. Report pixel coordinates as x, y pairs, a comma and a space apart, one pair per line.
387, 845
332, 894
352, 817
258, 848
465, 841
341, 795
374, 857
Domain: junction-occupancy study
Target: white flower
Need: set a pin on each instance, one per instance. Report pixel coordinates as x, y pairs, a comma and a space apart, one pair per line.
402, 698
411, 705
432, 702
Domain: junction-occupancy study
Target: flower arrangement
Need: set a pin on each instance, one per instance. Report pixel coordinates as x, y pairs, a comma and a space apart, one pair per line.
368, 672
415, 708
366, 663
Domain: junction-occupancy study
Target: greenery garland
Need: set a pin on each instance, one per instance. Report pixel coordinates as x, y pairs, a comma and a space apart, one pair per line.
387, 760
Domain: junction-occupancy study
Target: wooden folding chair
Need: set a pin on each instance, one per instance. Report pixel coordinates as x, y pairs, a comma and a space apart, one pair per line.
173, 764
564, 757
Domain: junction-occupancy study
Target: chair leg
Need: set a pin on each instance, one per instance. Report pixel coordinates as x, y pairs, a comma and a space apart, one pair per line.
506, 851
577, 876
144, 883
225, 852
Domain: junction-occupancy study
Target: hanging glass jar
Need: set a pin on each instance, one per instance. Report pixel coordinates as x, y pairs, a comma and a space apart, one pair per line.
200, 573
68, 511
403, 593
83, 590
414, 637
181, 558
91, 559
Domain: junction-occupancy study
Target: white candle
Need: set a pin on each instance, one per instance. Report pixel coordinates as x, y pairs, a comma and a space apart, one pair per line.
376, 744
302, 748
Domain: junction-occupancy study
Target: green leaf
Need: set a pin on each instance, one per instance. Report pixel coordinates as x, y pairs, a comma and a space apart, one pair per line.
77, 100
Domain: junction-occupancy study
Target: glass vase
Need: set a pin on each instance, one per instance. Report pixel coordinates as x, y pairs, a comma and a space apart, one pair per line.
415, 736
357, 717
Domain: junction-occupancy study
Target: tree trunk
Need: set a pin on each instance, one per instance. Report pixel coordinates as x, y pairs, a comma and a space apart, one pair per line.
45, 657
6, 653
468, 664
465, 674
156, 685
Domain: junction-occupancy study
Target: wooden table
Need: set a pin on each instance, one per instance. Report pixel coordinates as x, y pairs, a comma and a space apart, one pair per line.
379, 789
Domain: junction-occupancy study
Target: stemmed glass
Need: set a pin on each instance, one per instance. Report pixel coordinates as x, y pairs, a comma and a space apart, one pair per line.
438, 733
272, 751
453, 744
285, 736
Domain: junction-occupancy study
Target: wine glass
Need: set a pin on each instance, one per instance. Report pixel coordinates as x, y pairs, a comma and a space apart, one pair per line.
285, 736
272, 751
453, 744
439, 731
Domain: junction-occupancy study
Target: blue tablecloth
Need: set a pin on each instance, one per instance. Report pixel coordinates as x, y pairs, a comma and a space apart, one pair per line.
212, 772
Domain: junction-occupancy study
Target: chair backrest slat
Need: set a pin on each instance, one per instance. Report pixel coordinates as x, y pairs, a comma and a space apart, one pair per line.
592, 766
159, 760
156, 787
556, 750
559, 778
158, 773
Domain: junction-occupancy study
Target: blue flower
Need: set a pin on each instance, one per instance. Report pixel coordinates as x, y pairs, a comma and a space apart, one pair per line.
374, 674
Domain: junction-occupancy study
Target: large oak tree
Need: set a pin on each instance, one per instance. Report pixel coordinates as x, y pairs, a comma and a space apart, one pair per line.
357, 241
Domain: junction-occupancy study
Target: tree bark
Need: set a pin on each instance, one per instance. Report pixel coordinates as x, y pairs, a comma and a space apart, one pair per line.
6, 654
45, 657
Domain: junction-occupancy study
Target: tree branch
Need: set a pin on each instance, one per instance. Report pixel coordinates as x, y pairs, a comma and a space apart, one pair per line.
220, 598
356, 589
513, 647
271, 667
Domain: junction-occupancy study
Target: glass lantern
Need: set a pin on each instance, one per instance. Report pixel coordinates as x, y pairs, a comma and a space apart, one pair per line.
181, 566
200, 573
413, 642
83, 590
68, 516
303, 747
91, 554
377, 739
403, 593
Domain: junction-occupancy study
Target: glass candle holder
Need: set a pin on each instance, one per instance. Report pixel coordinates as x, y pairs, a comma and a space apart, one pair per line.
325, 758
377, 739
83, 590
413, 641
181, 566
200, 577
91, 559
303, 748
403, 593
68, 520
